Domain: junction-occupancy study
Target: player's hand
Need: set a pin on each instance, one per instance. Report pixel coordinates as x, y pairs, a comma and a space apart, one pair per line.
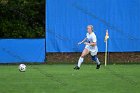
86, 43
79, 43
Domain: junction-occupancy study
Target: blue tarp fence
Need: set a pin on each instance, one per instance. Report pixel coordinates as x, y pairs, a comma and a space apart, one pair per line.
22, 50
66, 22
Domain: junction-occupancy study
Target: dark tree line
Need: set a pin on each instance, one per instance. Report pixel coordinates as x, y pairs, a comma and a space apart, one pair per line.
22, 18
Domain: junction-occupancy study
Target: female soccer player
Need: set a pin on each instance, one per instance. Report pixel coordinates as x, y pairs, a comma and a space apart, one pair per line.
90, 47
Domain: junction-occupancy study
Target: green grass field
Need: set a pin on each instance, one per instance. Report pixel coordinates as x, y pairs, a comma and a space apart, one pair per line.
61, 78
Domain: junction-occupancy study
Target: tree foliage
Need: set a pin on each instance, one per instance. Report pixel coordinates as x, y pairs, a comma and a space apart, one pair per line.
22, 18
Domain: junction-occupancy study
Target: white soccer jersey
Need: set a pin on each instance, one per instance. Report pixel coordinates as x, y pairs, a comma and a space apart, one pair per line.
91, 38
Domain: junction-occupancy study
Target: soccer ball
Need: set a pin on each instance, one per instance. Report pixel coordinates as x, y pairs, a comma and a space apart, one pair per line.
22, 67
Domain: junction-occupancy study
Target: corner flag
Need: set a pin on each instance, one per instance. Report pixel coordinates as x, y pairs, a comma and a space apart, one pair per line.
106, 48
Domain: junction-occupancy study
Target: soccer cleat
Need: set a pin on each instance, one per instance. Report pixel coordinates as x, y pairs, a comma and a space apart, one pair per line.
76, 68
98, 66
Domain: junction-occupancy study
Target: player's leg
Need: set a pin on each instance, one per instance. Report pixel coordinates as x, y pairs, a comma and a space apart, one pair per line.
95, 58
81, 59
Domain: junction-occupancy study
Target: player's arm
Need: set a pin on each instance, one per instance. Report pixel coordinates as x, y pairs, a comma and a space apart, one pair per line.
82, 41
91, 44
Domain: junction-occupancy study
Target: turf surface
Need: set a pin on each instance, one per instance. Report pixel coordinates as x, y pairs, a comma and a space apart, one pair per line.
63, 79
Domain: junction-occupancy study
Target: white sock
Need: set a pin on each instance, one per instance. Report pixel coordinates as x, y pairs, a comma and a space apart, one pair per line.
80, 61
97, 61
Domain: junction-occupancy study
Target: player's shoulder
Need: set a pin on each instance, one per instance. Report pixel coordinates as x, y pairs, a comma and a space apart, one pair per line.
87, 34
93, 34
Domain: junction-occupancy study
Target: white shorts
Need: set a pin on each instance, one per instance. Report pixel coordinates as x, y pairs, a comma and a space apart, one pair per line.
93, 50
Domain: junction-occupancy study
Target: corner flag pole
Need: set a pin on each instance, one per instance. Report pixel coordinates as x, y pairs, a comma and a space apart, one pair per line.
106, 48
